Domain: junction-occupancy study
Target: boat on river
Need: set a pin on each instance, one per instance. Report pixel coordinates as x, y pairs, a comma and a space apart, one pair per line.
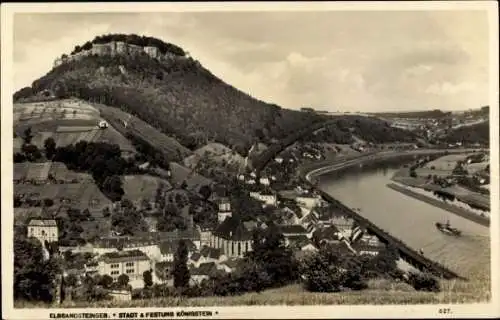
447, 229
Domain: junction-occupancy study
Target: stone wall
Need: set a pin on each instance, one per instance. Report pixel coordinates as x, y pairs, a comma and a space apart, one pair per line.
116, 48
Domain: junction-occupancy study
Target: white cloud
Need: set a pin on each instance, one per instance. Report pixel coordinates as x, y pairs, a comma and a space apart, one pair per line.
391, 60
448, 88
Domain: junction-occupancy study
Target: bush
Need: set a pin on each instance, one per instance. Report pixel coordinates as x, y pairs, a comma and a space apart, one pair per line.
424, 282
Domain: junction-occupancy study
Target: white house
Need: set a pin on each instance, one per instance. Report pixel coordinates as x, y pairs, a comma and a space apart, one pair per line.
132, 263
103, 124
43, 230
264, 181
268, 198
308, 202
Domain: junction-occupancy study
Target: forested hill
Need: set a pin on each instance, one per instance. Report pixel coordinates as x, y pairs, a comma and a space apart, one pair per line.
181, 98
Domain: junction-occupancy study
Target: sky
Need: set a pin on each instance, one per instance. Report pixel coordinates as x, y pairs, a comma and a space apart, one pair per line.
367, 61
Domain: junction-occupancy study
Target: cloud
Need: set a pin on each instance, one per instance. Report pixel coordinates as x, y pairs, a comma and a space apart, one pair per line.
447, 88
357, 60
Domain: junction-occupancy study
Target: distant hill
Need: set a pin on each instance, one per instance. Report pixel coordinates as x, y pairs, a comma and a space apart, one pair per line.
175, 94
432, 114
476, 133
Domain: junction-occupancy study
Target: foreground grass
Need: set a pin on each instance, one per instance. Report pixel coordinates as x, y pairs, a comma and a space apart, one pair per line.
379, 292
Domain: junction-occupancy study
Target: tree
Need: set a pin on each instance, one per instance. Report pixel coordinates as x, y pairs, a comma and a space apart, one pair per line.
106, 281
50, 147
180, 270
123, 280
31, 152
34, 277
148, 278
27, 136
19, 157
47, 202
270, 252
71, 280
205, 192
112, 187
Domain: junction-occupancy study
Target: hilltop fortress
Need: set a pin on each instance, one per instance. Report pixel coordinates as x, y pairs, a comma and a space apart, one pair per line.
114, 48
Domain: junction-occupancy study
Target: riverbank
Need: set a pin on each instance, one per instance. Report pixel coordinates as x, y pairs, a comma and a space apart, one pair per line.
441, 204
473, 203
410, 254
455, 255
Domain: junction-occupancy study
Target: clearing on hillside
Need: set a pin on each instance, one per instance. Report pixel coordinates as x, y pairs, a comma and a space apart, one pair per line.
216, 152
142, 187
126, 123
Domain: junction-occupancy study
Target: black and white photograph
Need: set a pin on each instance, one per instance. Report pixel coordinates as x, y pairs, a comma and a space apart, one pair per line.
250, 160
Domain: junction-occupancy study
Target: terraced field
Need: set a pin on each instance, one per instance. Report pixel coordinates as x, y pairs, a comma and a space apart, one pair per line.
77, 195
67, 122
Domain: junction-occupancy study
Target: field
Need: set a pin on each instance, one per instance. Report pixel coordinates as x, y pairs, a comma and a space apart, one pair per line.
68, 109
41, 172
66, 121
446, 162
138, 187
77, 195
135, 126
181, 174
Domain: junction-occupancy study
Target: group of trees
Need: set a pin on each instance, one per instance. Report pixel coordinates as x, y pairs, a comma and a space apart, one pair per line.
477, 133
334, 268
35, 278
70, 226
29, 151
102, 160
127, 220
170, 219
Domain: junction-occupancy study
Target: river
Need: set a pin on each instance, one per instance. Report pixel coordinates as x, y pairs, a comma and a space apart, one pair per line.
411, 220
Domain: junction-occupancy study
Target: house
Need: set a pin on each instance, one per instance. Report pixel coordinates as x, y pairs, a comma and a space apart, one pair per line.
328, 235
203, 272
168, 249
120, 295
132, 263
224, 209
163, 272
229, 265
267, 197
362, 248
343, 223
232, 237
288, 216
103, 124
43, 230
292, 232
278, 160
308, 202
264, 181
208, 254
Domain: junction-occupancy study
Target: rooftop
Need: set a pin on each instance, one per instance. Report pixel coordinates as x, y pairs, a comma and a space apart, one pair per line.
212, 253
123, 256
204, 269
169, 247
233, 229
291, 228
42, 223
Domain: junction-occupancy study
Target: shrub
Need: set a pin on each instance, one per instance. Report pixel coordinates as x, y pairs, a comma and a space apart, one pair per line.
424, 282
